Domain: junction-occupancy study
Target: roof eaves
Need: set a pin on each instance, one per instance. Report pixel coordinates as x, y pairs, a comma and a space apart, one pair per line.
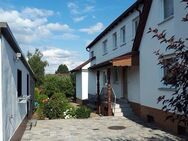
6, 32
115, 22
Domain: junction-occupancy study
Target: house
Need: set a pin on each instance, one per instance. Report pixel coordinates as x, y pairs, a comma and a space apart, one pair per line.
16, 87
125, 60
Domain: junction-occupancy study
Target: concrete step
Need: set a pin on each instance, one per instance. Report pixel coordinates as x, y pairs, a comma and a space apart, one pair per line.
118, 114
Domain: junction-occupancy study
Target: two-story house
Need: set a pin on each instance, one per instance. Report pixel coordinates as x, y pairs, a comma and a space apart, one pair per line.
16, 87
123, 56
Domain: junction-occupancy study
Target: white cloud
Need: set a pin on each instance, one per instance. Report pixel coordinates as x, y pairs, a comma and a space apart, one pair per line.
93, 29
74, 9
88, 8
35, 12
69, 36
32, 29
79, 12
56, 56
31, 24
79, 19
58, 27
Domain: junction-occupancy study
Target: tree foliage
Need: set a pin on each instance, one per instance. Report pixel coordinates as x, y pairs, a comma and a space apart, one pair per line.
177, 104
62, 69
37, 65
57, 84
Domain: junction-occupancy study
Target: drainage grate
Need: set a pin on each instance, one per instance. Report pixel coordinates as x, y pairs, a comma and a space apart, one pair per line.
116, 127
95, 129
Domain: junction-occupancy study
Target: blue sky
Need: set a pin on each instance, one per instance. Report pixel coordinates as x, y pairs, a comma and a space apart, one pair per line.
61, 29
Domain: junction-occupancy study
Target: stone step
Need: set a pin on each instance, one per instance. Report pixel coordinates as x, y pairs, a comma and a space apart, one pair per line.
118, 114
122, 106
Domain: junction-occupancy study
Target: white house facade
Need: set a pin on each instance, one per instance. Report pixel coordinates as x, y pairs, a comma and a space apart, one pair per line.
124, 57
16, 87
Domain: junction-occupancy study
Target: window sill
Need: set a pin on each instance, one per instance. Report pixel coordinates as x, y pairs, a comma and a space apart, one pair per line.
23, 99
166, 89
115, 48
165, 20
122, 44
105, 54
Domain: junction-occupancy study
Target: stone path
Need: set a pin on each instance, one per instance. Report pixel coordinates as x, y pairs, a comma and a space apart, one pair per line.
95, 129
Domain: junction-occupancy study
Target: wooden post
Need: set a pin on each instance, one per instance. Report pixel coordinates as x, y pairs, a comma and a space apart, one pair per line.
109, 93
98, 92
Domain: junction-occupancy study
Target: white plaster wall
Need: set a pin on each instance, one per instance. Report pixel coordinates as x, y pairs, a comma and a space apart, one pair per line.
84, 85
13, 112
92, 82
121, 48
150, 72
79, 85
133, 84
1, 102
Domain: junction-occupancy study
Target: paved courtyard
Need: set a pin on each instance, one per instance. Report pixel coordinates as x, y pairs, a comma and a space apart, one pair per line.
96, 129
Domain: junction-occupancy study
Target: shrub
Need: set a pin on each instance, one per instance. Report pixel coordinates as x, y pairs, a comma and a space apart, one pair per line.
83, 112
56, 105
58, 84
40, 112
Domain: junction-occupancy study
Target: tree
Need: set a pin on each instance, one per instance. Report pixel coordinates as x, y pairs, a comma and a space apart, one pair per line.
62, 69
58, 84
37, 65
177, 75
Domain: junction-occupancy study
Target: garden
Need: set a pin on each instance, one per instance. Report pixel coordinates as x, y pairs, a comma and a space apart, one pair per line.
53, 99
54, 92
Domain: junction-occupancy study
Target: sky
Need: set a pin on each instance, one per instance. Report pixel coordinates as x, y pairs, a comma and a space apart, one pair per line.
60, 29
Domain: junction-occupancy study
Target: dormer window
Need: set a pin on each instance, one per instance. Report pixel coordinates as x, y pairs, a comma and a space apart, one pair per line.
168, 8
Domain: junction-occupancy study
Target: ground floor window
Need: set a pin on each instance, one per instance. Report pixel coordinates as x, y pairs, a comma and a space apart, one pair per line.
19, 83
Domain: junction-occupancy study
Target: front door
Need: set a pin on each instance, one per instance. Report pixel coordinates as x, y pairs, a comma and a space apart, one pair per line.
124, 77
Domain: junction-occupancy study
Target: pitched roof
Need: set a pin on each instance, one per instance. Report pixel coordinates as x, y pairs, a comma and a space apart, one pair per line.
82, 65
115, 22
143, 20
6, 32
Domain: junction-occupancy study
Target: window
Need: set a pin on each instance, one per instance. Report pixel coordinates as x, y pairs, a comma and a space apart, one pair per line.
116, 78
168, 73
105, 47
168, 8
122, 34
27, 84
92, 54
135, 26
115, 40
104, 78
19, 83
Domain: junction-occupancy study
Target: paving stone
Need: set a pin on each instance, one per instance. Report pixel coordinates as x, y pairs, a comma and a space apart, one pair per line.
96, 129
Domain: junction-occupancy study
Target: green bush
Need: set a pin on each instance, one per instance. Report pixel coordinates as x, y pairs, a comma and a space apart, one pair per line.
40, 112
58, 84
83, 112
56, 105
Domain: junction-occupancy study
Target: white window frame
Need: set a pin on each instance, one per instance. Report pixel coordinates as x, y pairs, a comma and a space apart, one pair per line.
104, 44
134, 28
114, 37
162, 85
123, 34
